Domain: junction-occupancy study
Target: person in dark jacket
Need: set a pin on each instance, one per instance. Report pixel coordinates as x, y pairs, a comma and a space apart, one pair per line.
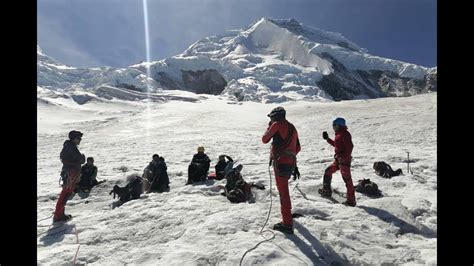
232, 175
88, 176
199, 167
285, 147
221, 165
343, 155
156, 174
236, 188
164, 179
72, 160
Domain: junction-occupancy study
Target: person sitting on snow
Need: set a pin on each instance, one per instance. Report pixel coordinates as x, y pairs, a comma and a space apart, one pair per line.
232, 175
88, 176
199, 167
156, 174
221, 165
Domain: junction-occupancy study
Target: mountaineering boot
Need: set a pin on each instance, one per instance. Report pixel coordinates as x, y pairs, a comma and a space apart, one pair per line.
325, 192
63, 218
349, 203
287, 229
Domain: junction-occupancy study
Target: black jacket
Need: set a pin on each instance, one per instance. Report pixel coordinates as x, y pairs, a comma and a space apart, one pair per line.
159, 170
71, 157
220, 167
89, 172
203, 159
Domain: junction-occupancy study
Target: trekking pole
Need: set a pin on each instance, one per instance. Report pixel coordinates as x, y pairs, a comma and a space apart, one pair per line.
408, 162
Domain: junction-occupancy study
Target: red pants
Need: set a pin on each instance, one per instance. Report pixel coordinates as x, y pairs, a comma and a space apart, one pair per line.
346, 176
285, 201
66, 192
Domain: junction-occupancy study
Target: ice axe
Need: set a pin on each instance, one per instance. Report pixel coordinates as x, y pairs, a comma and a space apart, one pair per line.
408, 163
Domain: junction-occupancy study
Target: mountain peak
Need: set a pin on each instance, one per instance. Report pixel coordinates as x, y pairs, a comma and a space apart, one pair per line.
308, 33
271, 60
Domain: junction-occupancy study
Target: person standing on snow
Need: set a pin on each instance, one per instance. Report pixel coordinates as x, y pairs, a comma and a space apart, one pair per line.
72, 160
343, 150
285, 147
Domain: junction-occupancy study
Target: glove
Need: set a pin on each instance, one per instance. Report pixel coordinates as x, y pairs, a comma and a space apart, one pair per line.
296, 173
325, 135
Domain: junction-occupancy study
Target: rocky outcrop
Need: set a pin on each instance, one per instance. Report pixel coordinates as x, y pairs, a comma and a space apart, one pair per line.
344, 84
128, 87
167, 82
207, 81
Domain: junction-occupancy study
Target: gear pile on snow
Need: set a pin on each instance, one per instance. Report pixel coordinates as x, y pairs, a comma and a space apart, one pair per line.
365, 186
385, 170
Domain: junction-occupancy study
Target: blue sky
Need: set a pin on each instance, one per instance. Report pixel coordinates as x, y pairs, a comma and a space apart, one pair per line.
89, 33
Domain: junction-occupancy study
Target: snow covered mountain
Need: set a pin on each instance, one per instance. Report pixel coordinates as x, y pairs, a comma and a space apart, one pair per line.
268, 61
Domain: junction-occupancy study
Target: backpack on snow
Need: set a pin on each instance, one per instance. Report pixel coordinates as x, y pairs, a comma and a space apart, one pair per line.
365, 186
240, 193
132, 190
385, 170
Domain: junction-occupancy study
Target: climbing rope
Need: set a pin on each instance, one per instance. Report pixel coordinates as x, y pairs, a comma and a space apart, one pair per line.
79, 245
45, 218
266, 221
55, 226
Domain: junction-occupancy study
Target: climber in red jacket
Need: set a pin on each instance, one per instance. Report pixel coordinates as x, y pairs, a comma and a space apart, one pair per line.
343, 149
285, 147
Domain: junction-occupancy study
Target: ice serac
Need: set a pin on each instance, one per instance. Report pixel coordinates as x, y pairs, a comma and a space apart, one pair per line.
271, 60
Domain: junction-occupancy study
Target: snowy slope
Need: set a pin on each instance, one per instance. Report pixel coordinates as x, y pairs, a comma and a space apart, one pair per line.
194, 225
54, 75
268, 61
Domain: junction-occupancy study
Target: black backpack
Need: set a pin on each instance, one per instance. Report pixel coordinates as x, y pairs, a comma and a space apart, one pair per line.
368, 187
385, 170
132, 190
240, 193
